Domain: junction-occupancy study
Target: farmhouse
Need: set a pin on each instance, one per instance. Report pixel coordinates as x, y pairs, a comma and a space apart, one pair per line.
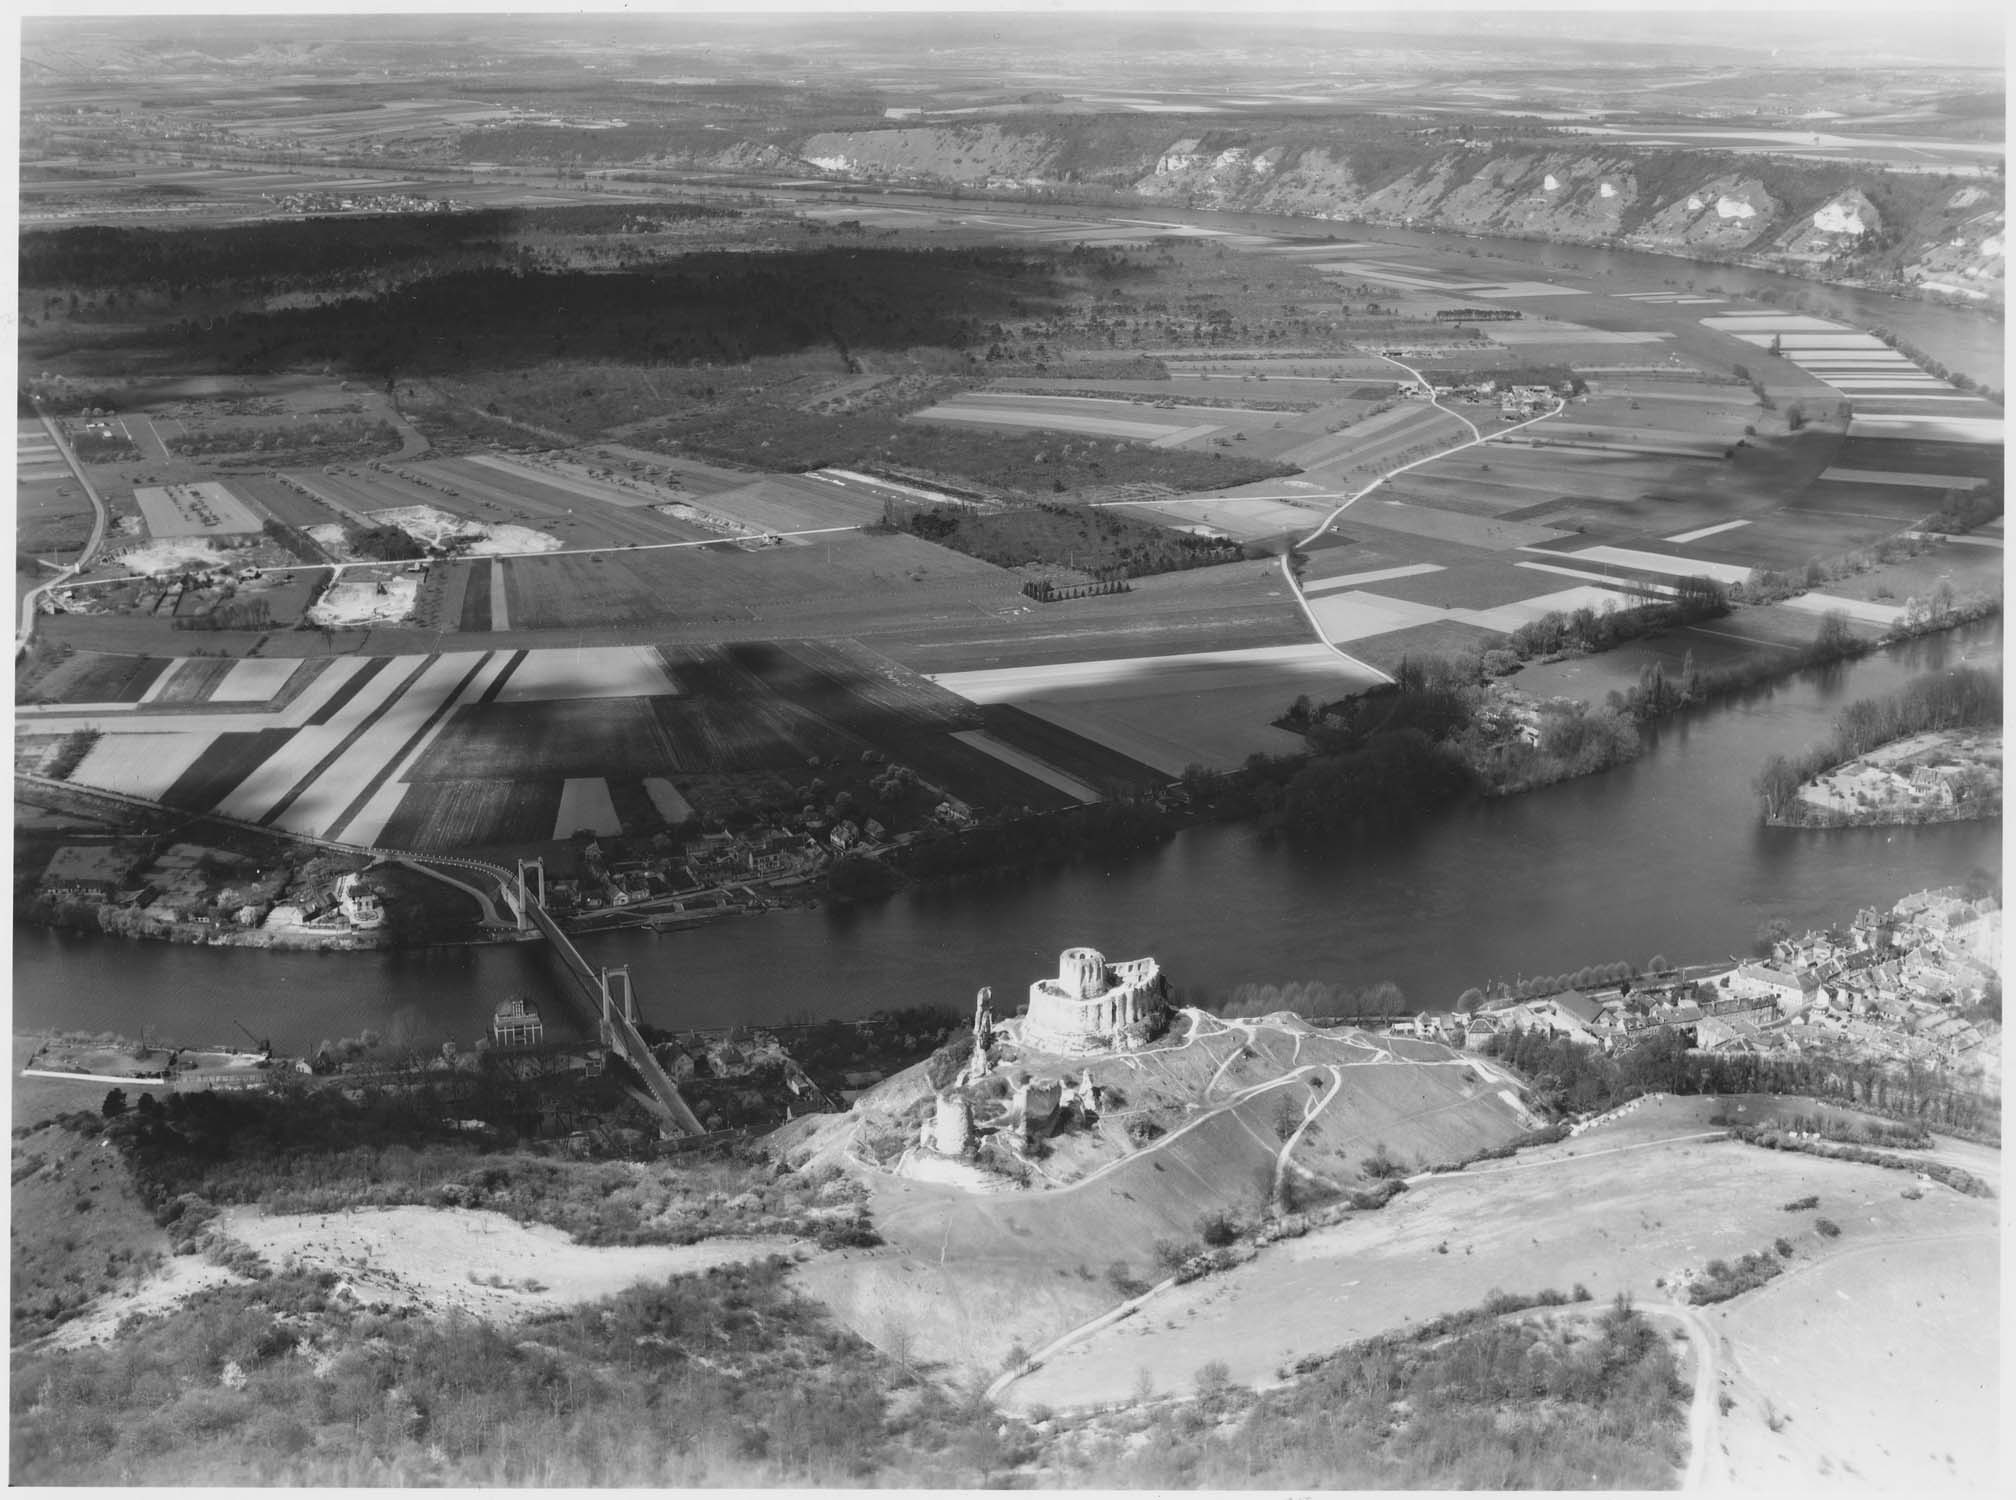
1094, 1006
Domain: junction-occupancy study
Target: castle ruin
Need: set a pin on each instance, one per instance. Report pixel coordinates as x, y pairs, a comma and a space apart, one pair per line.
1094, 1006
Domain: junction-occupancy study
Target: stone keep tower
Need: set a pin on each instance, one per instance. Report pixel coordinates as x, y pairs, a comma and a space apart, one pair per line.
1094, 1006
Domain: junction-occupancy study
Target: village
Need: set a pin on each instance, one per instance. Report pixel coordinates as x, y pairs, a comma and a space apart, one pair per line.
1917, 984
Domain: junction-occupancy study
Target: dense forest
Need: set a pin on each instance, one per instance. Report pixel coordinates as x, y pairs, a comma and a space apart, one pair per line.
280, 253
706, 307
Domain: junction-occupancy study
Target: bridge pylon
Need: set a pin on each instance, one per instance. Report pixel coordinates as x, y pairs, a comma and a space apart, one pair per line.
518, 906
609, 1002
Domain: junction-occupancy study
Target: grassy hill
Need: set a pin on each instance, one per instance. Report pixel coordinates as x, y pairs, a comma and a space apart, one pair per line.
1218, 1127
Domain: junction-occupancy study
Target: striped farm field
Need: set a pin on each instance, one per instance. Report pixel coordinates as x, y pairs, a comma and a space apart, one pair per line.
309, 753
192, 680
585, 803
89, 677
1378, 440
665, 797
254, 680
558, 739
140, 765
594, 672
452, 815
368, 756
228, 760
1084, 760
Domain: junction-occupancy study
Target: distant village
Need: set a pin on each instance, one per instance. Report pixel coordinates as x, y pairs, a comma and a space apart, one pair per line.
366, 203
1903, 985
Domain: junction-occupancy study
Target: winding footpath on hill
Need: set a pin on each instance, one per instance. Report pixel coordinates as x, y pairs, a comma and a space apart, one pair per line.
1476, 438
1704, 1412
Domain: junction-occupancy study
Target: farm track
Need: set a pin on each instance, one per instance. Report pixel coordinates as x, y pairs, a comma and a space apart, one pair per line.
1287, 560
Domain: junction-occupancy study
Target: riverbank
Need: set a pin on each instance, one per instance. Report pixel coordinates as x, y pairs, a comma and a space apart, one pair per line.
1943, 776
1926, 779
1346, 785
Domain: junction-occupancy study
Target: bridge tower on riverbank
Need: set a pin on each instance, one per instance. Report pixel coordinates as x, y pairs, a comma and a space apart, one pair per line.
518, 907
628, 1006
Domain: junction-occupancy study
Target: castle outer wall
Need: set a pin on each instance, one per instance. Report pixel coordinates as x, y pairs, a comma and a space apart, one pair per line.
1094, 1006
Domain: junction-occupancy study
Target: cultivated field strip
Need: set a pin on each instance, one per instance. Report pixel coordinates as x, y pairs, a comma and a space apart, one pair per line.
665, 798
190, 681
1375, 575
346, 678
304, 756
363, 821
193, 510
367, 758
140, 765
1169, 712
555, 672
459, 815
119, 718
585, 803
228, 760
255, 679
88, 679
569, 479
1924, 481
548, 738
1378, 438
904, 716
1084, 760
1028, 765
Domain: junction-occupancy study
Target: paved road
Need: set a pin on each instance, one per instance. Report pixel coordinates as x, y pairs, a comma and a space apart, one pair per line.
100, 517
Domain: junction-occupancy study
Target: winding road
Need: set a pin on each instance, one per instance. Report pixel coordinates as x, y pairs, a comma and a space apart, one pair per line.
1476, 438
100, 518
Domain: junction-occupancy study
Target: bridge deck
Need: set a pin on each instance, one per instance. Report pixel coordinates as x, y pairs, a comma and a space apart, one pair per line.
615, 1028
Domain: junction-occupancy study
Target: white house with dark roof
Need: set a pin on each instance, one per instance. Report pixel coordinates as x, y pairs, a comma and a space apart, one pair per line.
1764, 982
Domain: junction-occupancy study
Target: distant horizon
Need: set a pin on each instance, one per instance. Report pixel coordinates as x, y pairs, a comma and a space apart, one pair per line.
1881, 36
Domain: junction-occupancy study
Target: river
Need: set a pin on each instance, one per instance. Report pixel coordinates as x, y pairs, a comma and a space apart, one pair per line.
1664, 856
1967, 341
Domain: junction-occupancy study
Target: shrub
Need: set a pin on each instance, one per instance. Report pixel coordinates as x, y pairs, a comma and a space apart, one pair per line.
1800, 1205
1217, 1230
1380, 1165
1169, 1255
1783, 1246
1723, 1281
1828, 1228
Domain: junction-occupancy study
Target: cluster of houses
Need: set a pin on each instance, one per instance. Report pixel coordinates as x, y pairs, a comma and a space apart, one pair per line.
191, 886
1899, 984
370, 203
1514, 401
1901, 981
1727, 1007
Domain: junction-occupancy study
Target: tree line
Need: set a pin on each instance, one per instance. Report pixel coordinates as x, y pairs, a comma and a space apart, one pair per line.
1567, 1075
1958, 699
276, 253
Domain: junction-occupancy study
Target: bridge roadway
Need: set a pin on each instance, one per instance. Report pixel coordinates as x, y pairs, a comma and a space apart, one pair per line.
617, 1030
619, 1033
